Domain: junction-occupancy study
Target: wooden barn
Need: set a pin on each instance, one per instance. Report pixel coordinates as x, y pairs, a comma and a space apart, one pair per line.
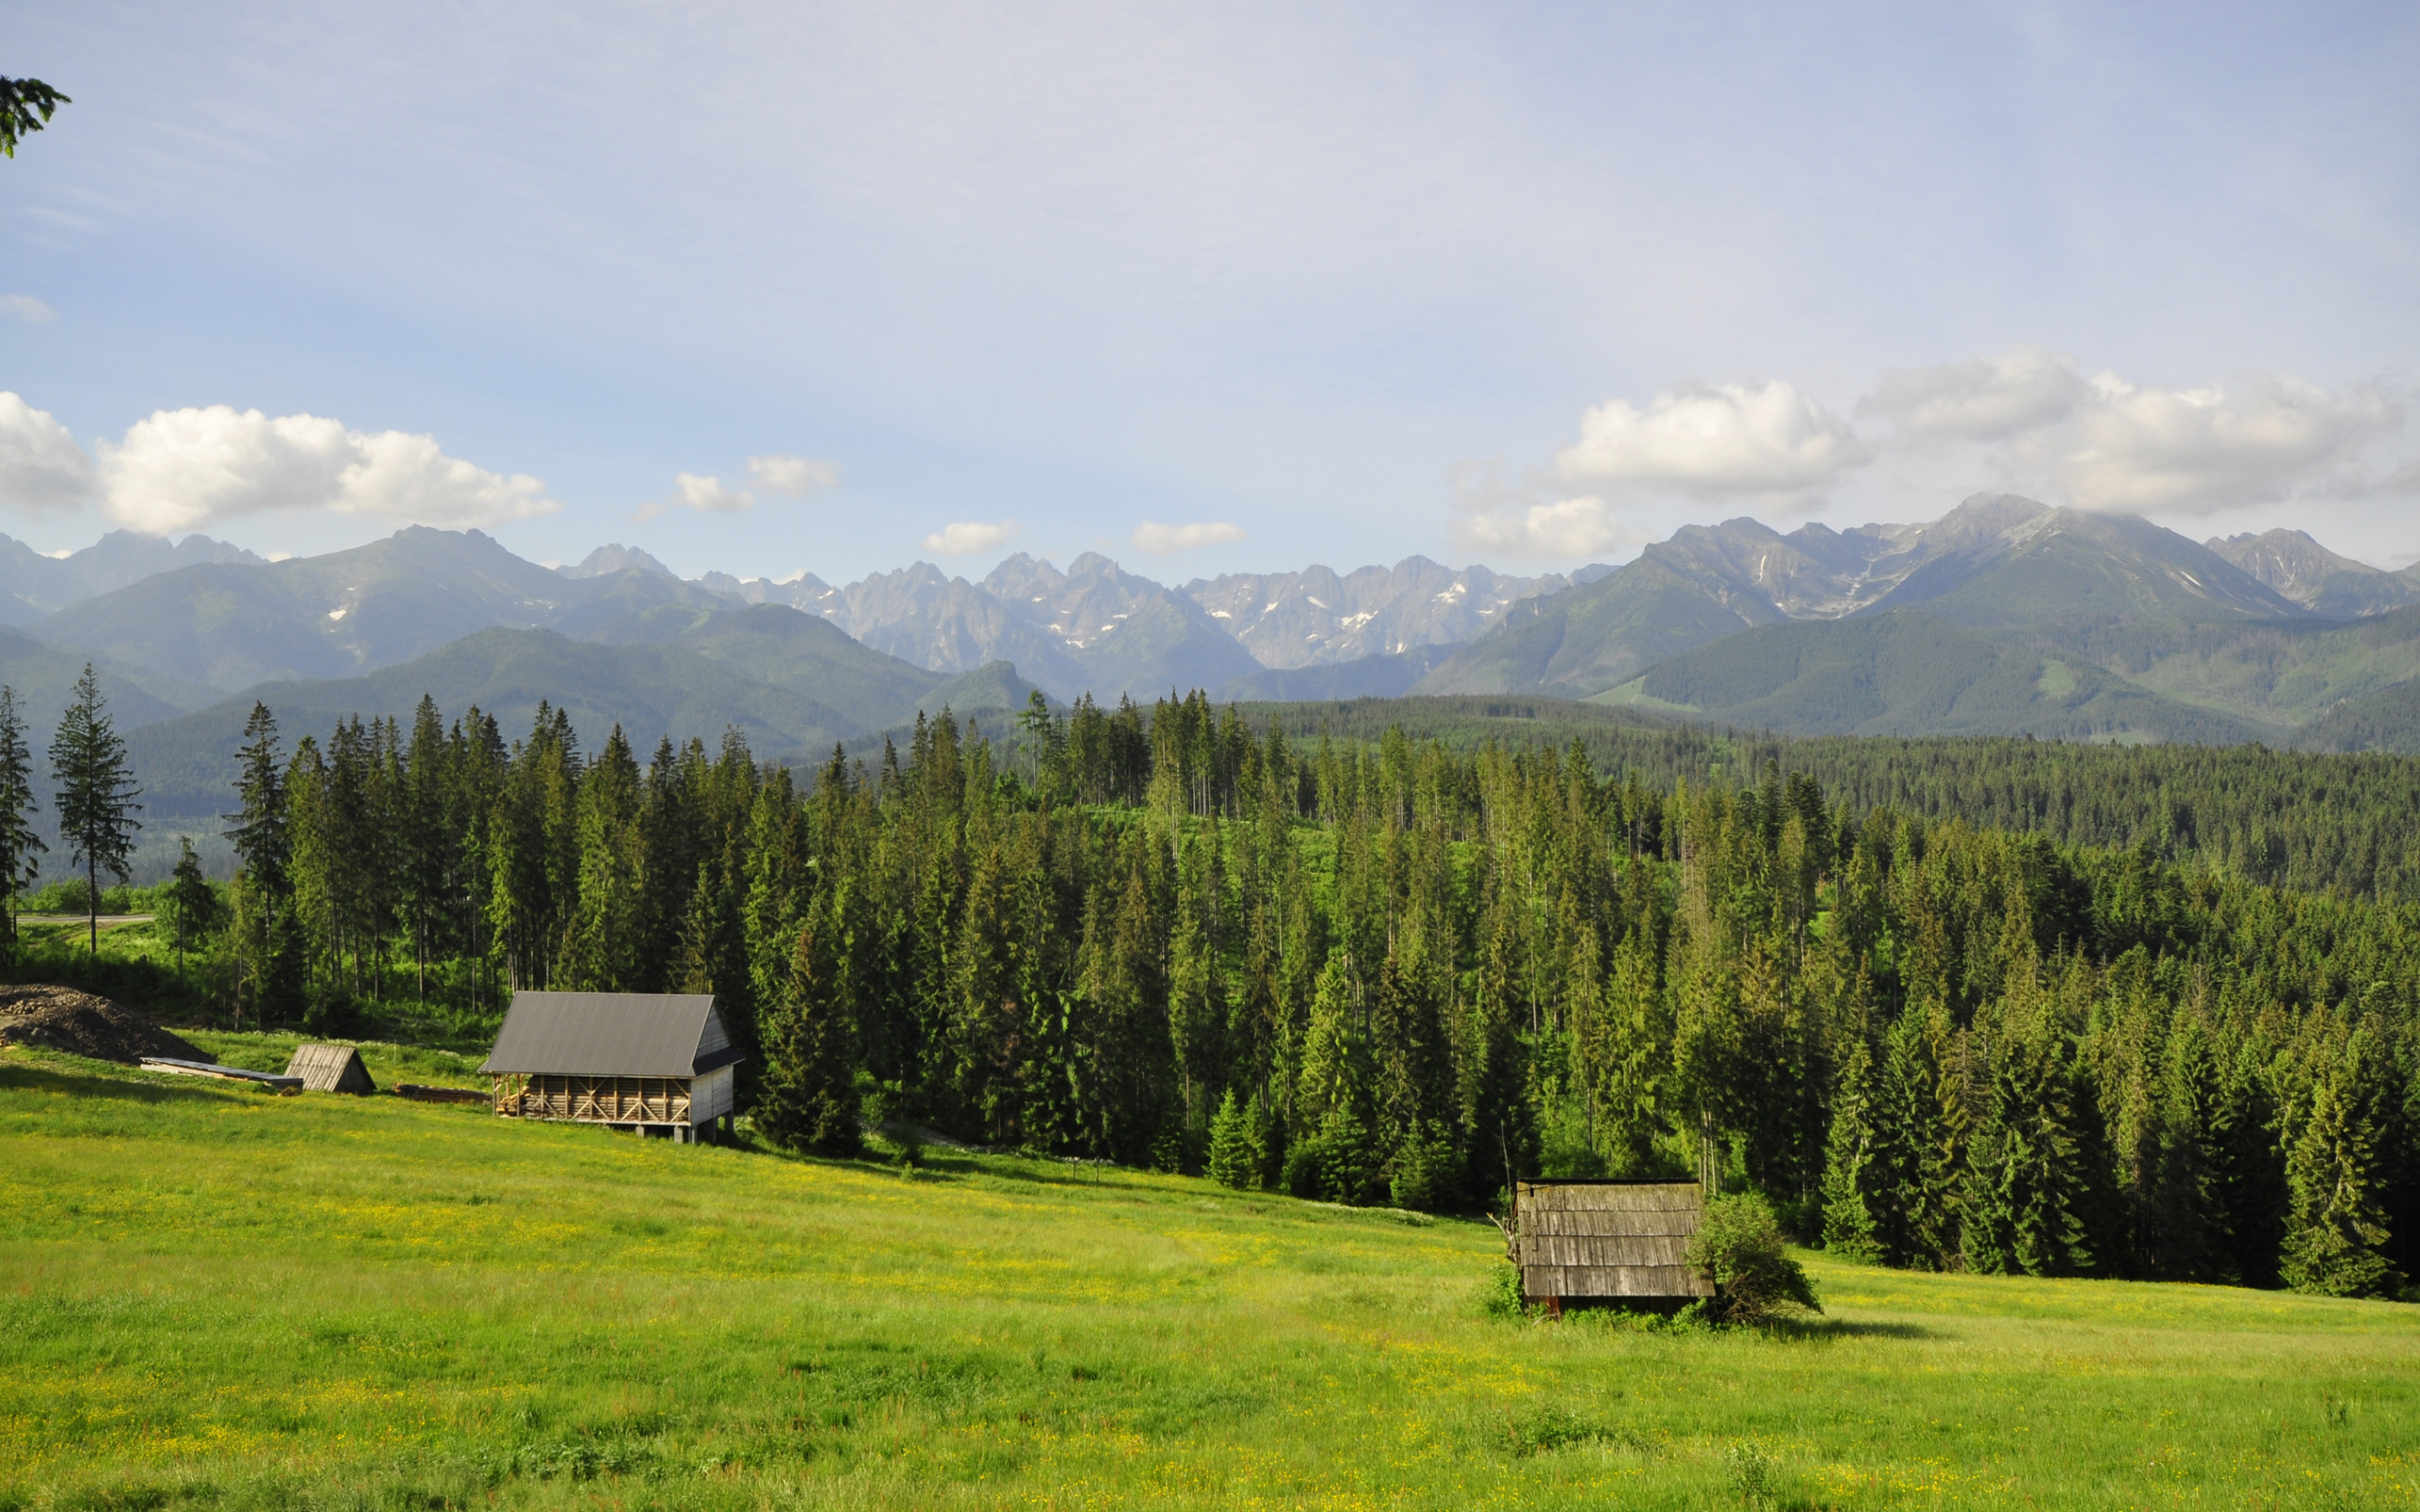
656, 1063
331, 1069
1607, 1243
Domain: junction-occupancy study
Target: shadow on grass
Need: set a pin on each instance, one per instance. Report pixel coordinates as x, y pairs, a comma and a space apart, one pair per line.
1816, 1329
36, 1079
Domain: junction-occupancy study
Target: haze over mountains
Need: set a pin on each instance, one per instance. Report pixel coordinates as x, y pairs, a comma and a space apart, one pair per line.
2004, 616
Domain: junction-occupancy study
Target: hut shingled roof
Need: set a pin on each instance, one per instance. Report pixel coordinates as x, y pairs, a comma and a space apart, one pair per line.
612, 1034
330, 1069
1609, 1240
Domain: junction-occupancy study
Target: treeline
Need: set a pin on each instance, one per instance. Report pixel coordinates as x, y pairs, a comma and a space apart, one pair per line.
2342, 824
1389, 971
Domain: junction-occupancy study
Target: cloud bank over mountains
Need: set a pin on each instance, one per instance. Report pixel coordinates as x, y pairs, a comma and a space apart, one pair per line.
2028, 419
179, 470
2097, 442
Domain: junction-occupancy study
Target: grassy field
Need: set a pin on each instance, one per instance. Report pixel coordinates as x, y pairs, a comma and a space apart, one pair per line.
211, 1296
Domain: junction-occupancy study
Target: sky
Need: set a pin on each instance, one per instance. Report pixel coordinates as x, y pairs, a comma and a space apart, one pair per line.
768, 288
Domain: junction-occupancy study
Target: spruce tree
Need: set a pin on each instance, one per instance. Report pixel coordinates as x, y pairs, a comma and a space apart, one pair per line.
2023, 1180
808, 1099
2336, 1234
428, 847
96, 797
1422, 1179
1051, 1078
19, 844
1342, 1153
2190, 1237
189, 896
268, 952
1903, 1116
2256, 1190
1631, 1083
601, 946
1851, 1175
1235, 1158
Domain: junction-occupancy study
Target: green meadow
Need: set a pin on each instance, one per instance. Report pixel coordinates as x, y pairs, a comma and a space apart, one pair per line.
215, 1298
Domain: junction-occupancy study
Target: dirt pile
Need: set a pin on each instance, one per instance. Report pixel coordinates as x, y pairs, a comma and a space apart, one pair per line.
60, 1018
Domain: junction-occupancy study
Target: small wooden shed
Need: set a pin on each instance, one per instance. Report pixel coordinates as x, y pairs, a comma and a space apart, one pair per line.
331, 1069
1607, 1243
656, 1063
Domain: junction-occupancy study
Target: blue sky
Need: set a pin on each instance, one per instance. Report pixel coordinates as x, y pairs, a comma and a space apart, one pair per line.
1521, 284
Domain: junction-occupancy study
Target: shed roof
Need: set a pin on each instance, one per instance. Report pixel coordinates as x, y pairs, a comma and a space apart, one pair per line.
612, 1034
330, 1069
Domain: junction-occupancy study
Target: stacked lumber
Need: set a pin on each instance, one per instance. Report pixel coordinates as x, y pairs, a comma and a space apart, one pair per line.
203, 1068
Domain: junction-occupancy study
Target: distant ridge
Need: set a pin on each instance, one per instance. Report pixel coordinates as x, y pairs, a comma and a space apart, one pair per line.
1997, 561
2038, 619
615, 559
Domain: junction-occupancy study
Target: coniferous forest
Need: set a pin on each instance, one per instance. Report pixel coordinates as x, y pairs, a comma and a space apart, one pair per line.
1935, 1031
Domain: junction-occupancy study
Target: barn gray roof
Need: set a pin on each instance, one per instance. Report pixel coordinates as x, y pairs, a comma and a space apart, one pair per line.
612, 1034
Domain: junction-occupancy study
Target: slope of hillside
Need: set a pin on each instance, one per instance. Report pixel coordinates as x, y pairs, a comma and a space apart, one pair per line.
44, 677
790, 683
2388, 720
188, 763
2278, 672
724, 1328
784, 647
1588, 638
1373, 677
1903, 672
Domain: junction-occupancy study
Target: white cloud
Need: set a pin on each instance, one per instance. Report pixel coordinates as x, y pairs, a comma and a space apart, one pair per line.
708, 495
1159, 540
1586, 527
40, 466
407, 477
1983, 398
179, 470
968, 537
1714, 439
2132, 448
2104, 443
797, 476
27, 308
704, 494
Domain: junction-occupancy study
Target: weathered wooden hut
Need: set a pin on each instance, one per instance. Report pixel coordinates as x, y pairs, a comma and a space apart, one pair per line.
656, 1063
1607, 1243
330, 1069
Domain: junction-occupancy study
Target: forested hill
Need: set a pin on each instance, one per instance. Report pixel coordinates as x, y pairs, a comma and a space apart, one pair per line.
1392, 971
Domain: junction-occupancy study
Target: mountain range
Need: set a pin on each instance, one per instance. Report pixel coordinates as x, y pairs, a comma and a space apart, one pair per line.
1100, 629
2004, 616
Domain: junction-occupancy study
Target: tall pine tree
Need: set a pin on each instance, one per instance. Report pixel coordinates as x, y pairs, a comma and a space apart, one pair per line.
95, 798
